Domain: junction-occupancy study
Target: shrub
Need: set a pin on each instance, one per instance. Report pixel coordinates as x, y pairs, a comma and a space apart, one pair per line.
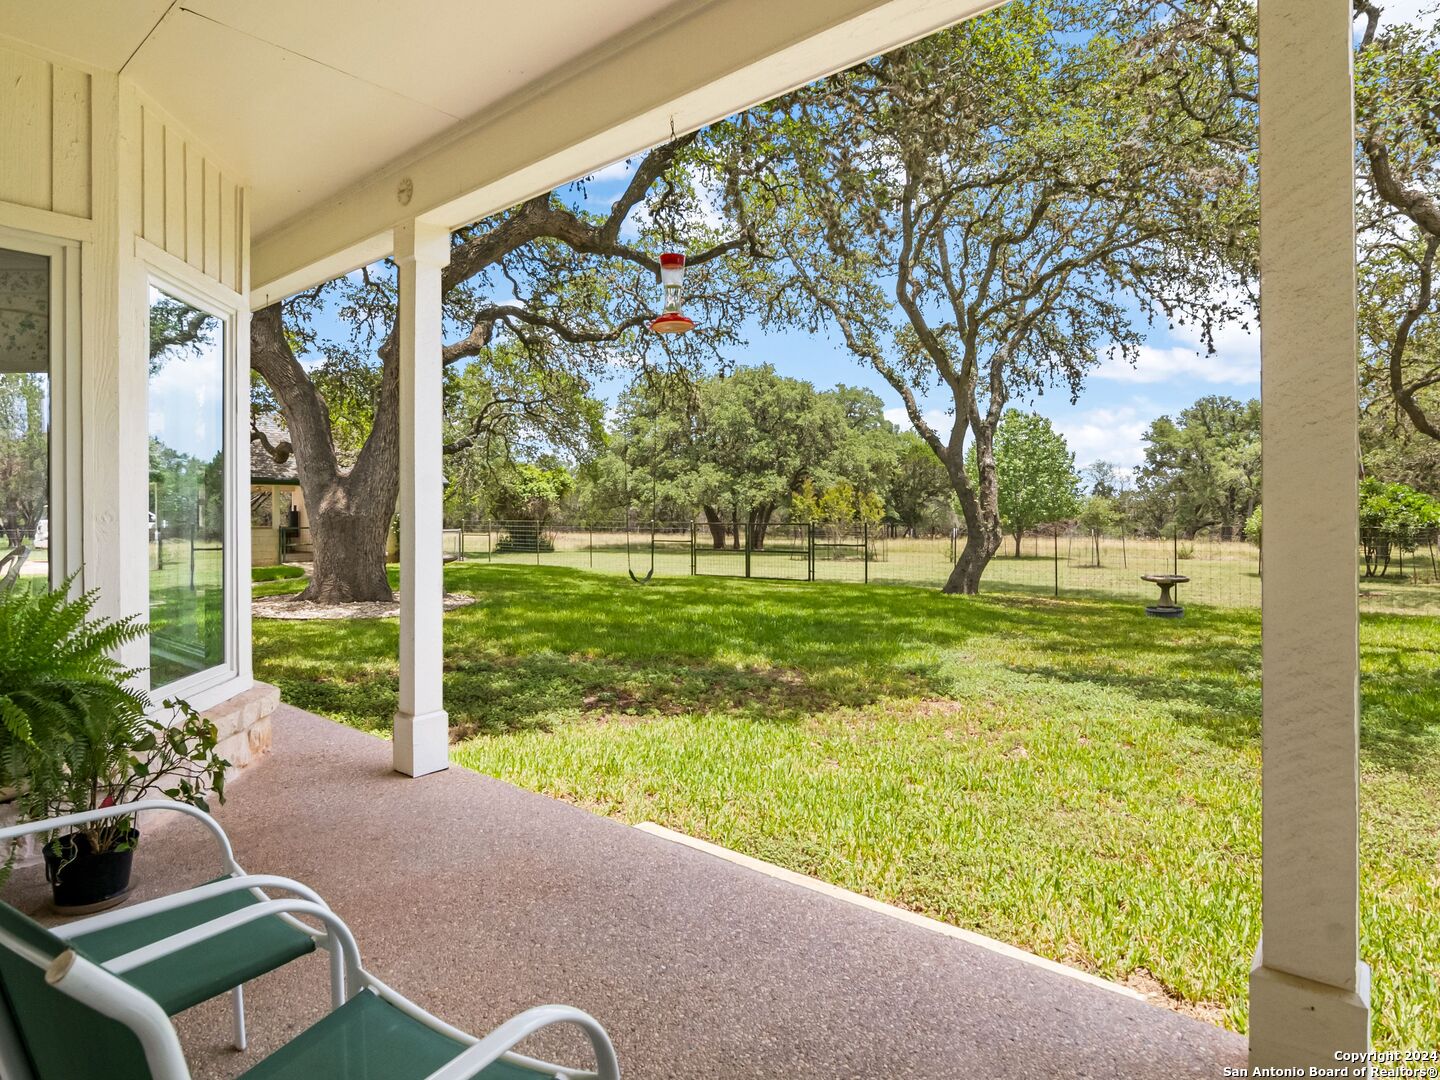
73, 735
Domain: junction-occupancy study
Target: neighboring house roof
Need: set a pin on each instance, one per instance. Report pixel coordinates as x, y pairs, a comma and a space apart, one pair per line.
264, 469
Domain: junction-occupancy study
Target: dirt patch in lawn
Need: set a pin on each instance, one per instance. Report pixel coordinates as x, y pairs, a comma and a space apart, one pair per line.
288, 607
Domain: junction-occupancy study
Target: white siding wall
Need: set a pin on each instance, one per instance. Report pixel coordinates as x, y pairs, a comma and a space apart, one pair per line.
189, 204
45, 107
86, 157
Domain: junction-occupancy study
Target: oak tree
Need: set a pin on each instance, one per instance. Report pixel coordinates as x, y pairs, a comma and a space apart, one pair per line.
990, 211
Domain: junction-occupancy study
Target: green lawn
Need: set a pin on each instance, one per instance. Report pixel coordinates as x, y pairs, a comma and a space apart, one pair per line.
1069, 776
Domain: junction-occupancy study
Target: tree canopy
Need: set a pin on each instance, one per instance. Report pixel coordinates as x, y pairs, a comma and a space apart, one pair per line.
981, 213
1202, 467
738, 447
537, 300
1035, 473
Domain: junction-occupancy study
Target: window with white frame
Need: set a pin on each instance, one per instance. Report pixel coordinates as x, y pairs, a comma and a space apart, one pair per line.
189, 511
27, 350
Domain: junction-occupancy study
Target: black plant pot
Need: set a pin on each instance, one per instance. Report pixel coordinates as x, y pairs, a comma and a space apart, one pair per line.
83, 880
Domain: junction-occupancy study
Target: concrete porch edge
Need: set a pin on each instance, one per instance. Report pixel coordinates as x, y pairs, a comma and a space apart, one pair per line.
970, 937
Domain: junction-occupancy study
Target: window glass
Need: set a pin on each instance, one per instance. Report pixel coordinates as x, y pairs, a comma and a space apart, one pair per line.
24, 418
187, 489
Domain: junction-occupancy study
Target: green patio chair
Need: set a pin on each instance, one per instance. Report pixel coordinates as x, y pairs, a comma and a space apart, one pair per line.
67, 1016
209, 968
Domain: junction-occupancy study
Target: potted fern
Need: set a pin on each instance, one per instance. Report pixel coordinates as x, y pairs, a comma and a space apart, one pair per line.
74, 736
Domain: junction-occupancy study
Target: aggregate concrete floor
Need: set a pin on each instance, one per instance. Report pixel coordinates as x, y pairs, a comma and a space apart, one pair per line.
479, 900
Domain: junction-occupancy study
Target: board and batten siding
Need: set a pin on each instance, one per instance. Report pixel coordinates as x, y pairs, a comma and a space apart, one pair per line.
45, 133
189, 205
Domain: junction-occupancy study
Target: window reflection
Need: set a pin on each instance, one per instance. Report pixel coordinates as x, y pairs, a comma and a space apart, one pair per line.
24, 418
187, 489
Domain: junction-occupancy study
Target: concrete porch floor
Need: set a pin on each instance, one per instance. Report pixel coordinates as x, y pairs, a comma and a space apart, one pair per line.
478, 900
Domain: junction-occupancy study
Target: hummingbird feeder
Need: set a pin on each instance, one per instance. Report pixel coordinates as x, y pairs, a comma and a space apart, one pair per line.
672, 277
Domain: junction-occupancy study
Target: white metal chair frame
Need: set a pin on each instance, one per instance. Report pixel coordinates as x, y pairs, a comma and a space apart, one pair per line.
237, 880
99, 985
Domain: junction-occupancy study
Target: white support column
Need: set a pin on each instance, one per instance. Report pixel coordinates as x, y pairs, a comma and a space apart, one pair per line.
1309, 992
421, 727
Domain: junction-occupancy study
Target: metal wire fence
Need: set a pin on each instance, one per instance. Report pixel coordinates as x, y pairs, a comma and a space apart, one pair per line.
1060, 562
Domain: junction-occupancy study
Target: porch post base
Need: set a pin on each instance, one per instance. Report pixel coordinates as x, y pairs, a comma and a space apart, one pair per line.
421, 743
1299, 1022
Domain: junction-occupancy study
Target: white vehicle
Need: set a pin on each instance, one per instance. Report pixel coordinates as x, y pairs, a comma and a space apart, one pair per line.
42, 532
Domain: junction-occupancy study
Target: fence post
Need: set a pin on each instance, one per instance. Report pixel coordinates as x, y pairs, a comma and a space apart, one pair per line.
1055, 536
810, 532
590, 544
865, 543
692, 547
747, 547
460, 554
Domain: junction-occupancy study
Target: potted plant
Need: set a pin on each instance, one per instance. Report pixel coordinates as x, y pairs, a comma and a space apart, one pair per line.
74, 736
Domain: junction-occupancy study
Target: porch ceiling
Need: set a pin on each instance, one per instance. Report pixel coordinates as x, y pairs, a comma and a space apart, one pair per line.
328, 108
303, 99
479, 899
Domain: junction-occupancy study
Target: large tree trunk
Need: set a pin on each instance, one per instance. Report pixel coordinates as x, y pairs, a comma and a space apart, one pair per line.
350, 512
716, 524
1018, 535
980, 506
350, 554
970, 566
758, 523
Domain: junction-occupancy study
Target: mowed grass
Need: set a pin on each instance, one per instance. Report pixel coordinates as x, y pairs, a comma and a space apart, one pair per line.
1069, 775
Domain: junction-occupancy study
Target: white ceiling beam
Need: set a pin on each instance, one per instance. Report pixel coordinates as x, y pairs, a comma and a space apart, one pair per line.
708, 61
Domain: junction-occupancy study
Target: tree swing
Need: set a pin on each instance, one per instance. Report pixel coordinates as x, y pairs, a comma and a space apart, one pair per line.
654, 494
649, 573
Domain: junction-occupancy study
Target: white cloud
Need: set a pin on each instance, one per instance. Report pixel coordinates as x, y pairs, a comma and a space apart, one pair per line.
1111, 434
1182, 363
938, 419
1185, 358
1407, 11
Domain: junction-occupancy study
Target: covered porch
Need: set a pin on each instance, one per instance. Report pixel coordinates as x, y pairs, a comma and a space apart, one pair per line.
480, 899
136, 160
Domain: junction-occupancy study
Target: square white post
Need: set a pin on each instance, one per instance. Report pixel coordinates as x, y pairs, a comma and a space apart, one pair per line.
422, 743
1309, 992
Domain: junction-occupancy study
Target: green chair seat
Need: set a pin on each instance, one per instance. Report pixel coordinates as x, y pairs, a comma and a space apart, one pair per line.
369, 1039
202, 971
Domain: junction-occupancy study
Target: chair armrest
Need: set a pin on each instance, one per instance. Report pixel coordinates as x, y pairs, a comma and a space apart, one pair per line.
250, 882
518, 1028
335, 928
104, 813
